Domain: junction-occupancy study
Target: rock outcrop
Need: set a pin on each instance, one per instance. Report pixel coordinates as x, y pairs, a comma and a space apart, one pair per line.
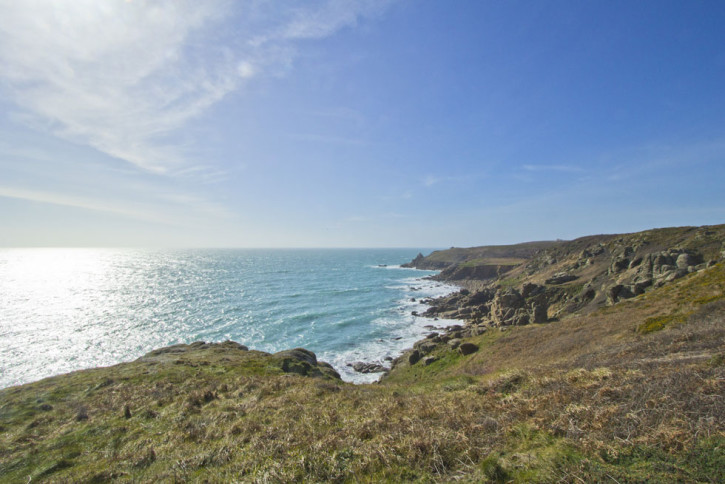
364, 367
537, 282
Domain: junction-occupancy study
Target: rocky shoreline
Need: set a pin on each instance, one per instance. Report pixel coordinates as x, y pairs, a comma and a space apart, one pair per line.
537, 283
541, 282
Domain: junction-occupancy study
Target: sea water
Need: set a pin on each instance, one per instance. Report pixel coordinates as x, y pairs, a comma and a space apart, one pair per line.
69, 309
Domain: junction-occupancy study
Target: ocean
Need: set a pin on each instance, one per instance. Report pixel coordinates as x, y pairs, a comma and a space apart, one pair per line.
69, 309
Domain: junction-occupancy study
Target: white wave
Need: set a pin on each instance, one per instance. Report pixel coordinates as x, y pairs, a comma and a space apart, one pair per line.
405, 329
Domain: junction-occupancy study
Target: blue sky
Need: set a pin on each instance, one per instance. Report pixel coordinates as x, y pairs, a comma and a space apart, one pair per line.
357, 123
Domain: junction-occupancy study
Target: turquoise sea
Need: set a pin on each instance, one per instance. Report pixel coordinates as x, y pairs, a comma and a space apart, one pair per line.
68, 309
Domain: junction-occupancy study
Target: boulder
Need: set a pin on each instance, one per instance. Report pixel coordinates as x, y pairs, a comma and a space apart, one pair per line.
467, 348
685, 260
425, 346
299, 354
529, 289
481, 297
618, 265
539, 313
617, 293
639, 287
429, 359
328, 369
363, 367
454, 343
414, 357
560, 278
299, 361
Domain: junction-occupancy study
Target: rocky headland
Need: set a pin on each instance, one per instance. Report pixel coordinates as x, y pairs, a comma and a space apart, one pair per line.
541, 282
600, 359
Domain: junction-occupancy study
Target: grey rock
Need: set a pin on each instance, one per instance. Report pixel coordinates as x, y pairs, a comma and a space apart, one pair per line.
429, 359
685, 260
300, 354
328, 369
529, 289
414, 357
618, 265
467, 348
362, 367
560, 278
618, 292
425, 346
299, 361
539, 313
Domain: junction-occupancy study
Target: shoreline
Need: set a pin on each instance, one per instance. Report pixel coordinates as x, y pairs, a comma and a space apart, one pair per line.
421, 331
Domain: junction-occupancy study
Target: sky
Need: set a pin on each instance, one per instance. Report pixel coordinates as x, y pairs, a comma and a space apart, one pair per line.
370, 123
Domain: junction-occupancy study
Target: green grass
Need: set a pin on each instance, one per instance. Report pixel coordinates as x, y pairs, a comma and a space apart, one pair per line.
659, 323
489, 261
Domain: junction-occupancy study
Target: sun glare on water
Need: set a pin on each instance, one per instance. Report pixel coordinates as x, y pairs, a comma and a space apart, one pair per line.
60, 275
49, 290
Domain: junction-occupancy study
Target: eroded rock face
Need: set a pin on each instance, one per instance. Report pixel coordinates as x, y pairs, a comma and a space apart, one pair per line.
619, 292
662, 267
539, 312
304, 362
685, 260
363, 367
560, 278
508, 308
467, 348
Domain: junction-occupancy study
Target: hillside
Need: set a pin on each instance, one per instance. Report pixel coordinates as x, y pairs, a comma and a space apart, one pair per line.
554, 279
602, 386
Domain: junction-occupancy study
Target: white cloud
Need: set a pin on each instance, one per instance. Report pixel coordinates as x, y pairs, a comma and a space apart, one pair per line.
79, 202
168, 208
122, 76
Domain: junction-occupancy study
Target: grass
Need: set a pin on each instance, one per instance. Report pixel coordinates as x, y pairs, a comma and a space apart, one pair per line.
493, 261
659, 323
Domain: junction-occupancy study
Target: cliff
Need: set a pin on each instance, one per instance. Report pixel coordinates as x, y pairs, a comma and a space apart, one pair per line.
594, 389
545, 281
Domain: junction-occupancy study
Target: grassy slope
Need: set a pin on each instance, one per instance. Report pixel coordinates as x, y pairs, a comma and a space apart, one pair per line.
456, 255
602, 397
706, 239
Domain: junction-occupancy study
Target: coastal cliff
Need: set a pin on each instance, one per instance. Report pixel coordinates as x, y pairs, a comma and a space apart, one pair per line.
598, 359
537, 282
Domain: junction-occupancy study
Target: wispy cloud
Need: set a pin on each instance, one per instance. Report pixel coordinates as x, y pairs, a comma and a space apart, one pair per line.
168, 209
124, 76
78, 202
